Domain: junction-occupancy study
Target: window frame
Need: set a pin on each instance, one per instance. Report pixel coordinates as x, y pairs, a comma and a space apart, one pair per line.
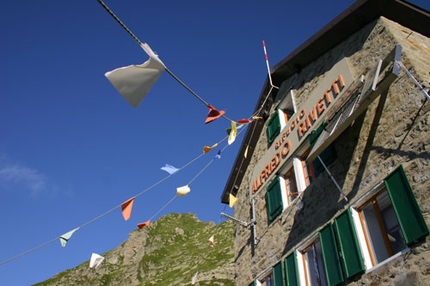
280, 118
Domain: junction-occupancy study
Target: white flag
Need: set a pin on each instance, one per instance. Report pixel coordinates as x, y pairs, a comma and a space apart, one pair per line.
65, 237
96, 260
134, 82
182, 191
194, 279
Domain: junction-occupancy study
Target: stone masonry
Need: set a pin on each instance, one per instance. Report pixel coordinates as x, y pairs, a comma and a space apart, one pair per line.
394, 130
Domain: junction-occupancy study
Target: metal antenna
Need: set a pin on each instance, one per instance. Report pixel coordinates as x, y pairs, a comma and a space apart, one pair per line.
245, 224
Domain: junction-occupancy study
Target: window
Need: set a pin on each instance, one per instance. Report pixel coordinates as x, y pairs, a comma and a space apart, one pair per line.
280, 193
308, 169
313, 264
390, 220
290, 185
267, 281
381, 227
274, 277
327, 156
274, 199
275, 124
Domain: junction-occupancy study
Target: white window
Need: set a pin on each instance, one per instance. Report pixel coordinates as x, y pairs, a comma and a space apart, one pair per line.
266, 281
380, 228
313, 271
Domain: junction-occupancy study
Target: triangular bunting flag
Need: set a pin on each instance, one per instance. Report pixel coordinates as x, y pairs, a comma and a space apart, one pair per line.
233, 132
232, 200
218, 155
244, 121
96, 260
213, 114
182, 191
228, 130
208, 148
126, 208
245, 154
65, 237
212, 241
169, 169
142, 224
194, 279
134, 82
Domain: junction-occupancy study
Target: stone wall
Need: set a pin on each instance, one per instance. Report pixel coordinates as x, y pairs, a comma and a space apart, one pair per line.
394, 130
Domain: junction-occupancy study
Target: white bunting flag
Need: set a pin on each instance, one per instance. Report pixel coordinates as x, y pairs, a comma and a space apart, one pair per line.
134, 82
96, 260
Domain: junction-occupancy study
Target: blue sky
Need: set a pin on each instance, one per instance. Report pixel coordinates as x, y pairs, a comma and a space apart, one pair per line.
71, 148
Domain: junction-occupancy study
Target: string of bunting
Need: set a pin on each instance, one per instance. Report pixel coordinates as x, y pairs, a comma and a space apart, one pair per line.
133, 83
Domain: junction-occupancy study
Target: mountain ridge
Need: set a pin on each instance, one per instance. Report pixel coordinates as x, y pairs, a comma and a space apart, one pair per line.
170, 252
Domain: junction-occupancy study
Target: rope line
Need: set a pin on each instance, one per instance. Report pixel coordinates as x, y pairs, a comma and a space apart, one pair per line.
118, 20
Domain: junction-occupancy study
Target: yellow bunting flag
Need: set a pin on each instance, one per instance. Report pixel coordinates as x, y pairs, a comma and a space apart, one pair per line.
233, 132
245, 154
232, 200
126, 208
182, 191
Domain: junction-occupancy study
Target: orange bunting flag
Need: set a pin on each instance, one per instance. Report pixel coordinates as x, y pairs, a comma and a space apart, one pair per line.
232, 200
244, 121
208, 148
212, 241
213, 114
142, 224
255, 117
126, 208
182, 191
233, 132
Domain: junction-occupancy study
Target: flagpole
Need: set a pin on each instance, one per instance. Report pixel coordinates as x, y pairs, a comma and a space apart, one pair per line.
268, 66
118, 20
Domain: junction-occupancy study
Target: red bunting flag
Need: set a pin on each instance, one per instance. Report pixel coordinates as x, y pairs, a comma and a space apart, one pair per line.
244, 121
142, 224
213, 114
126, 208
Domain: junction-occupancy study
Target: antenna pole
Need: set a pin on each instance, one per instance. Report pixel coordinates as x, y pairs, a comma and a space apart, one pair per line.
268, 66
245, 224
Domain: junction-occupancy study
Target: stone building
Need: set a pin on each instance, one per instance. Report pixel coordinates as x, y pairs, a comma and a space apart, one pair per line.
333, 182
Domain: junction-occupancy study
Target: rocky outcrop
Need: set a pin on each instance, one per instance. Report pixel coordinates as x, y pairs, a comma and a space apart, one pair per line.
171, 252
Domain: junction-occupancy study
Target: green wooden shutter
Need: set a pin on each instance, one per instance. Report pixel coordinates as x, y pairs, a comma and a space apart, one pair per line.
273, 127
291, 270
348, 243
406, 207
278, 275
316, 134
327, 156
274, 199
332, 266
